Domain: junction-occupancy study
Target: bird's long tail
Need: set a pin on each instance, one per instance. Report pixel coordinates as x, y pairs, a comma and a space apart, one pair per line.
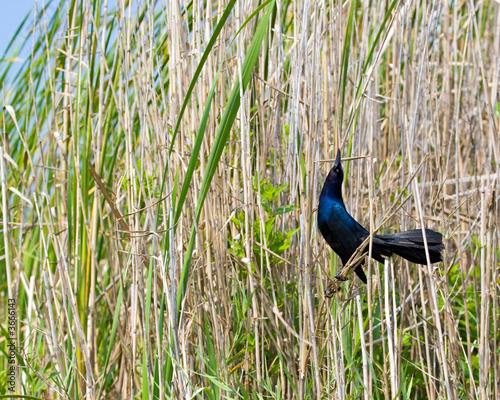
409, 245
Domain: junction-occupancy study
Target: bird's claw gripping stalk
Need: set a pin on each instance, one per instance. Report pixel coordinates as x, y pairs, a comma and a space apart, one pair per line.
334, 286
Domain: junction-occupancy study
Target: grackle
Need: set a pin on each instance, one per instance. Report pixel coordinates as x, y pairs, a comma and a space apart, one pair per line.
344, 234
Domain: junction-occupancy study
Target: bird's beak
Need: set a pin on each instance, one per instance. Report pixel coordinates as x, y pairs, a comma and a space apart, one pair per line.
337, 160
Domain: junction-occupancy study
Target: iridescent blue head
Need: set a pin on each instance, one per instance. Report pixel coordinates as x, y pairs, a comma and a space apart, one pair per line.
333, 183
336, 174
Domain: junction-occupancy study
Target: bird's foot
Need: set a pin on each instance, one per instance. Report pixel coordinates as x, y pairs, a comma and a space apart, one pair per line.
329, 292
334, 286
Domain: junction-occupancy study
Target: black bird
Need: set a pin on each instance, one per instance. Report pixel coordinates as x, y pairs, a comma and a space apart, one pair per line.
344, 234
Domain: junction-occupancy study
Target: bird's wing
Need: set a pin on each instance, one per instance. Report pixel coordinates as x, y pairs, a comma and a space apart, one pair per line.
349, 234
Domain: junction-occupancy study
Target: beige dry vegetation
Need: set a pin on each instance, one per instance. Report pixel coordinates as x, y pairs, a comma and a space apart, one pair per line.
122, 292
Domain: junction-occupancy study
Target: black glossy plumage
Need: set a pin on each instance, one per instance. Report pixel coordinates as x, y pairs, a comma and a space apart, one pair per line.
344, 234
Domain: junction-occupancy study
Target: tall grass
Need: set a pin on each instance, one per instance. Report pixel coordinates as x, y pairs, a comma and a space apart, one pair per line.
160, 168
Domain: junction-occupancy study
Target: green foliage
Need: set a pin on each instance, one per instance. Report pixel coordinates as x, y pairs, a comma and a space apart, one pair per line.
267, 233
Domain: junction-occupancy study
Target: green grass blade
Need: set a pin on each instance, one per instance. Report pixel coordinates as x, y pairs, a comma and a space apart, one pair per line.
113, 333
210, 45
196, 151
221, 138
345, 61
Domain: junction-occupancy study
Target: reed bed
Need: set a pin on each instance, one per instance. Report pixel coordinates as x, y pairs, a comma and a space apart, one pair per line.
161, 164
